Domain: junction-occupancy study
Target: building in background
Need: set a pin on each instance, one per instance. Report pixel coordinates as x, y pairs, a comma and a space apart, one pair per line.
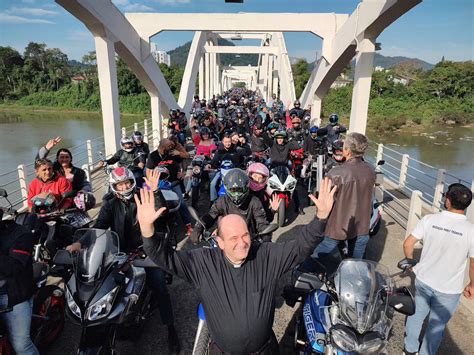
159, 56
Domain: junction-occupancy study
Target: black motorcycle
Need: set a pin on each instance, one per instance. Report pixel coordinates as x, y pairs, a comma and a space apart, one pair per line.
107, 291
198, 175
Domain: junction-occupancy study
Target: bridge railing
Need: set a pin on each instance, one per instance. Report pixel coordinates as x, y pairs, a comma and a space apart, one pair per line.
422, 183
85, 155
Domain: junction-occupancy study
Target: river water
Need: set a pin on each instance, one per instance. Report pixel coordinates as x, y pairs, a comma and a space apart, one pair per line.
22, 133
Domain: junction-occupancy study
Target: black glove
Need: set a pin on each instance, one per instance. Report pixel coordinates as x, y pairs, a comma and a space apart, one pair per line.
407, 263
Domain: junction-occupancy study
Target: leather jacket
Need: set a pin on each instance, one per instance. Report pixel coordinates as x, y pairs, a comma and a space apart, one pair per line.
350, 215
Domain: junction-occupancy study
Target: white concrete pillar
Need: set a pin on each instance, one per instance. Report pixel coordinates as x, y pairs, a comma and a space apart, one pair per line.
156, 120
364, 67
201, 77
107, 71
264, 76
270, 77
207, 75
316, 111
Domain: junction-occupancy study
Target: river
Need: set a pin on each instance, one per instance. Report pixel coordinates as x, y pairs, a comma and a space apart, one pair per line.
23, 132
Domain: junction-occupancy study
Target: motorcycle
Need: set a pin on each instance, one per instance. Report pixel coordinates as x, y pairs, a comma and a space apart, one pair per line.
198, 174
48, 313
107, 292
282, 184
203, 337
350, 313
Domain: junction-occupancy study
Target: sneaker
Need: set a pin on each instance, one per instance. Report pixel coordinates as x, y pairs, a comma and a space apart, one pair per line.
405, 352
189, 229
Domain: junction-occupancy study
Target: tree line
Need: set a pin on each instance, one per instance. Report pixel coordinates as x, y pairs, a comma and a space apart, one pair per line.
405, 93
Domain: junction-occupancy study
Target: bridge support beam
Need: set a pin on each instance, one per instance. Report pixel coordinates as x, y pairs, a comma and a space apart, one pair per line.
107, 71
316, 111
362, 80
156, 120
201, 77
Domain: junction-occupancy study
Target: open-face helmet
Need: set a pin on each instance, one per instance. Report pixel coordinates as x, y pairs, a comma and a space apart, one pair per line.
127, 144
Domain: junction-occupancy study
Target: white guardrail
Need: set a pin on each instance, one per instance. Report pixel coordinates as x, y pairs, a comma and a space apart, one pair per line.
86, 156
414, 188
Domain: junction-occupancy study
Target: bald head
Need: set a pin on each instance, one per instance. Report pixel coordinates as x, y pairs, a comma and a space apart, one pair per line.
233, 238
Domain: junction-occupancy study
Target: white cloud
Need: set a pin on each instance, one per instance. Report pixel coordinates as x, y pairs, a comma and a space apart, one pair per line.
173, 2
31, 11
18, 20
128, 6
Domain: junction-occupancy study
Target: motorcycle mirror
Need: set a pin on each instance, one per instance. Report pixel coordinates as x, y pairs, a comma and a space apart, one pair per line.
402, 301
3, 193
381, 162
62, 257
270, 229
147, 262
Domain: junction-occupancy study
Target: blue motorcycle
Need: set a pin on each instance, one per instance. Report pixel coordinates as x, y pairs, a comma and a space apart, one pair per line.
348, 313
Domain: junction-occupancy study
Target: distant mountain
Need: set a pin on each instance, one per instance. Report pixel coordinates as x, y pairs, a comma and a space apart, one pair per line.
179, 55
389, 62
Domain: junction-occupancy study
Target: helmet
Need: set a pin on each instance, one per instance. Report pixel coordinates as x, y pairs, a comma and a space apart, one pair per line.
173, 112
272, 125
257, 168
119, 175
239, 110
280, 134
137, 137
236, 184
204, 130
337, 147
297, 104
313, 130
334, 118
196, 97
84, 201
203, 103
124, 141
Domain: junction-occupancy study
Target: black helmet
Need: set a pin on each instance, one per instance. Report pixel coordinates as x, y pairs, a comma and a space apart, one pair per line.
137, 137
173, 112
297, 104
203, 103
333, 119
196, 97
236, 184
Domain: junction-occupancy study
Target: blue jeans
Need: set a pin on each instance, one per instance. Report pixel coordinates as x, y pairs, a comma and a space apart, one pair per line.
183, 208
327, 252
156, 281
214, 181
18, 322
439, 307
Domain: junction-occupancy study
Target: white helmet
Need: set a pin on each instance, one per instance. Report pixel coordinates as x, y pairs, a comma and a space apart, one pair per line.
127, 140
119, 175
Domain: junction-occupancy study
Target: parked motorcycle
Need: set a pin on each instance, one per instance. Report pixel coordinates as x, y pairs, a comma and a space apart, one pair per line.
107, 291
350, 313
282, 184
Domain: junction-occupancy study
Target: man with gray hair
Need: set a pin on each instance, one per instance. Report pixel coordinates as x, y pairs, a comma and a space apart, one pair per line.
350, 217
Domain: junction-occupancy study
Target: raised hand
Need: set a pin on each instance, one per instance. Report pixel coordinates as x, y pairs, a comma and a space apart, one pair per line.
52, 142
275, 203
146, 213
325, 199
153, 180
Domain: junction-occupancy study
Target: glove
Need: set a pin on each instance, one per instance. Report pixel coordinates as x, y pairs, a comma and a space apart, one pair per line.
407, 263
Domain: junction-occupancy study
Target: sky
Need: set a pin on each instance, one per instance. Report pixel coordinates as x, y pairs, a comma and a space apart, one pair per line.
429, 31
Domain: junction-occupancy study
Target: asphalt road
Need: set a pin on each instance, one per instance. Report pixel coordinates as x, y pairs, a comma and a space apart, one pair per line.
386, 248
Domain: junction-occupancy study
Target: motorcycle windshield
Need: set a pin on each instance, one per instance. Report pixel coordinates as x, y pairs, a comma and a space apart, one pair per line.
361, 286
281, 172
96, 255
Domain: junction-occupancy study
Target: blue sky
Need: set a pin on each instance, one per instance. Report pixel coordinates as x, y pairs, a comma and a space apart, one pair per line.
432, 29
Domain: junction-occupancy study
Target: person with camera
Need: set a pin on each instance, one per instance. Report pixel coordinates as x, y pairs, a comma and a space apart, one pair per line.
237, 280
16, 284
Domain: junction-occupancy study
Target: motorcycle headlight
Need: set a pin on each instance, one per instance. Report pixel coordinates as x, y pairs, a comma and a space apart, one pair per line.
344, 338
196, 169
291, 186
102, 307
273, 186
372, 343
73, 307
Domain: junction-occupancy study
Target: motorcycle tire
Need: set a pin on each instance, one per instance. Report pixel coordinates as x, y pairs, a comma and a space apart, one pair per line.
45, 332
202, 342
281, 213
195, 197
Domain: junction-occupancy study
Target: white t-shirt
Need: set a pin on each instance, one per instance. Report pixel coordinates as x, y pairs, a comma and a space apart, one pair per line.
448, 242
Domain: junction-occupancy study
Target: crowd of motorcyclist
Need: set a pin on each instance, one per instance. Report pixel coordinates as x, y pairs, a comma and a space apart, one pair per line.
241, 141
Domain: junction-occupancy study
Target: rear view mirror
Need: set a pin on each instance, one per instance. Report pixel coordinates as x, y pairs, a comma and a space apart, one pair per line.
3, 193
402, 301
147, 262
194, 214
62, 257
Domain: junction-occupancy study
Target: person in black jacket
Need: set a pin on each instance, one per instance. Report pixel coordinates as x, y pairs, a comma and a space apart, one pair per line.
237, 200
236, 281
63, 165
280, 150
16, 284
119, 213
